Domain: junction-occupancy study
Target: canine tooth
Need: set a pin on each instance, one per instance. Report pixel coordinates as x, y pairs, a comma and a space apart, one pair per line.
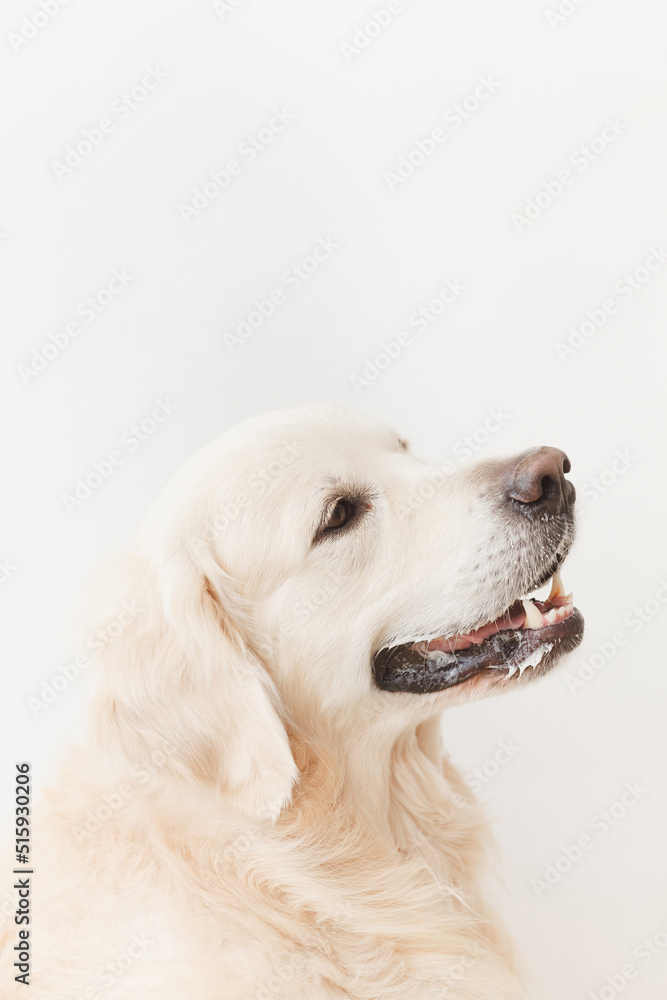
557, 589
533, 615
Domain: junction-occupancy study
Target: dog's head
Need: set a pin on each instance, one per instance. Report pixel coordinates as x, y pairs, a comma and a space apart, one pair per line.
305, 569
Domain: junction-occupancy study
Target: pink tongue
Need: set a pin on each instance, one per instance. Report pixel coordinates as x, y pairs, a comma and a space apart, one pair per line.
514, 618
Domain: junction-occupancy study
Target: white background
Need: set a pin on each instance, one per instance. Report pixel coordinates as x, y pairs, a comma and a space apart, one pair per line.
355, 113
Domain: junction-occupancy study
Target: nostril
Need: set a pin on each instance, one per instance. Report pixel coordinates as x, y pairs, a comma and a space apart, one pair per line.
549, 490
536, 481
534, 490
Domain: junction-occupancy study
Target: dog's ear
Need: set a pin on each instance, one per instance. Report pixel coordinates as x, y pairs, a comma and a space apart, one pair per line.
181, 689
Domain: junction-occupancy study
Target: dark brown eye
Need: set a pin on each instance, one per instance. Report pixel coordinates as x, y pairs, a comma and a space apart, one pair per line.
340, 515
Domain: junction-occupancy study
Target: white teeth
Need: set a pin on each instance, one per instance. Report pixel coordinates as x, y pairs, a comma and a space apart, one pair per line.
533, 615
557, 588
552, 616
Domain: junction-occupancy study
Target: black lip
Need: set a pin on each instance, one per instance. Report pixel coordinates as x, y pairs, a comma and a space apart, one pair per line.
404, 668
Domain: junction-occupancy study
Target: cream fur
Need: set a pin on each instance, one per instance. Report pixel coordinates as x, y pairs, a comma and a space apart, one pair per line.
272, 824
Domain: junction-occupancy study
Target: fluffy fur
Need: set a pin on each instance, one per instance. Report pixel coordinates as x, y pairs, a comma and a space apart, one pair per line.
251, 816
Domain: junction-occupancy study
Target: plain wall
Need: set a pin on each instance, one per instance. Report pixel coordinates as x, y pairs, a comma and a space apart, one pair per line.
581, 92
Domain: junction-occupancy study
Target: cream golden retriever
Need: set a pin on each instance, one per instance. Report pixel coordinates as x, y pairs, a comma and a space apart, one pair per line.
263, 808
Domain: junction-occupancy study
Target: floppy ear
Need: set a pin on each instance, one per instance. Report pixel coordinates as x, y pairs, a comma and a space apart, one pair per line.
183, 693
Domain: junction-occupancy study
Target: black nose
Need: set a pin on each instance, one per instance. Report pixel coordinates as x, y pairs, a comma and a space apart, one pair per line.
536, 481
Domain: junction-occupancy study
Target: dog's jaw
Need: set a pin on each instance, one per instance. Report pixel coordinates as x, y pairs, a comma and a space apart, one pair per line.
506, 655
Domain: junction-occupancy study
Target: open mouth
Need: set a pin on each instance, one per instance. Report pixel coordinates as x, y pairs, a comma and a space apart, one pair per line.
530, 635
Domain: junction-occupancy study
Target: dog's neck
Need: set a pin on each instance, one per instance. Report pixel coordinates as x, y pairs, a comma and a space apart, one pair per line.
392, 812
395, 781
382, 842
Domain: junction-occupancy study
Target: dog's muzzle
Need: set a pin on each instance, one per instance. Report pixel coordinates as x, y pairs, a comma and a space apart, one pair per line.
531, 634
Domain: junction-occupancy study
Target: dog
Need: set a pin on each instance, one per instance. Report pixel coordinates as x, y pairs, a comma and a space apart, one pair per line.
263, 807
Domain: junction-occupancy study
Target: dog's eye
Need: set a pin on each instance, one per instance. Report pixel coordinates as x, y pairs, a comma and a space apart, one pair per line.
340, 515
342, 512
